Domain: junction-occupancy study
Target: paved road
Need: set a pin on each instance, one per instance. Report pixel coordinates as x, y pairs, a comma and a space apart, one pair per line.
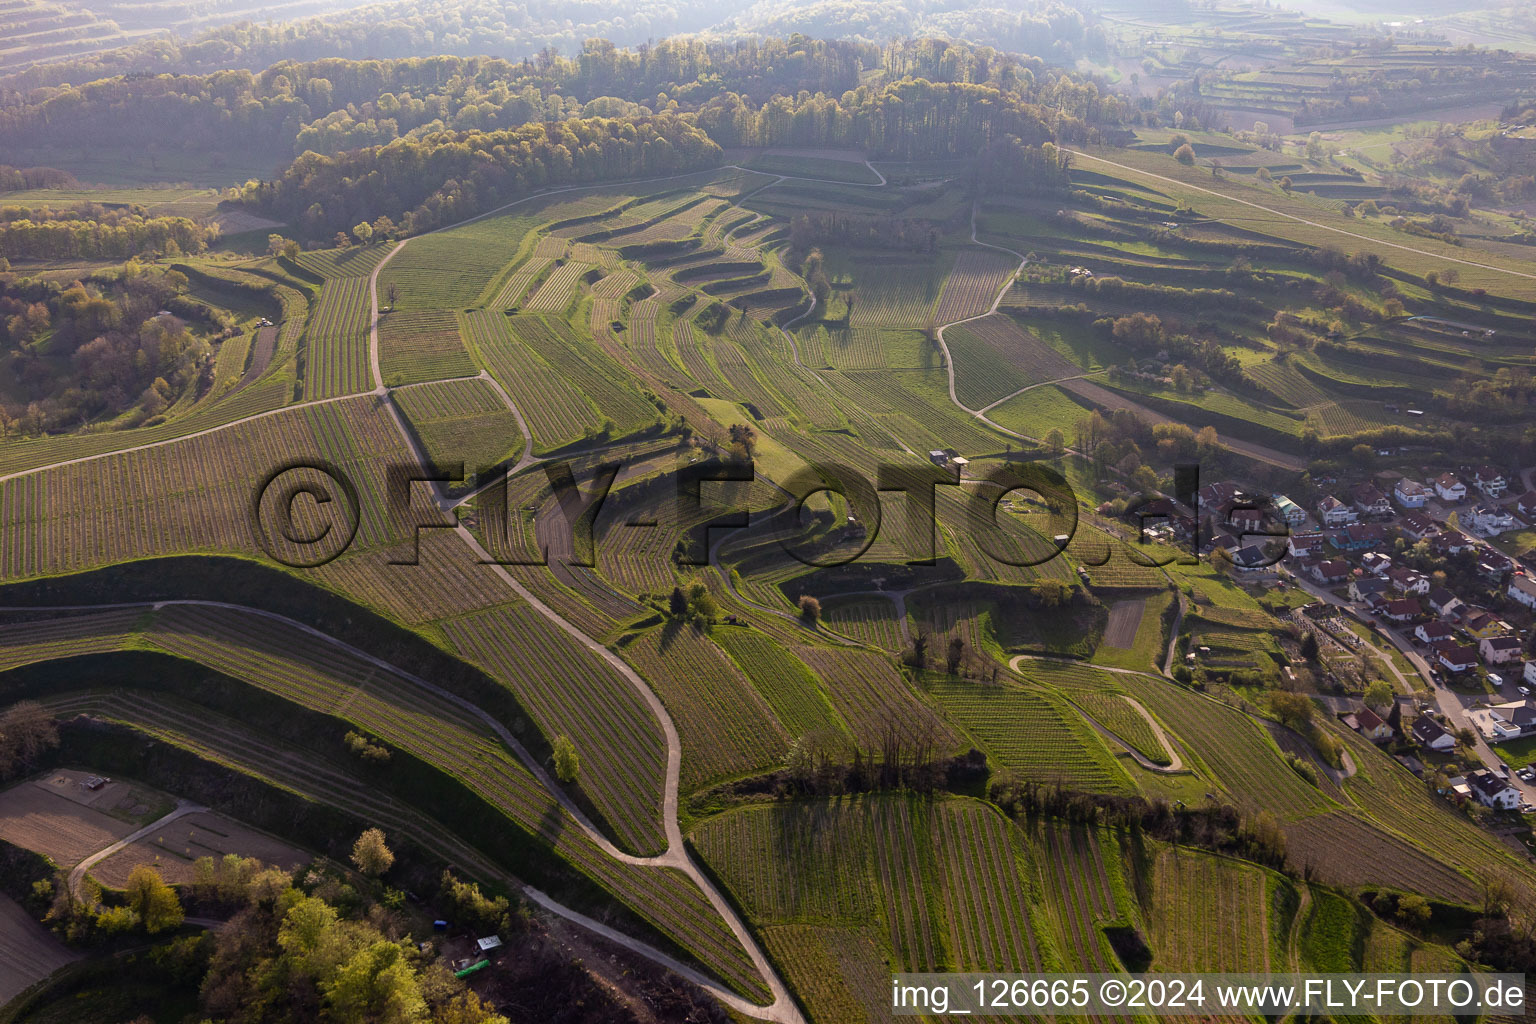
1452, 705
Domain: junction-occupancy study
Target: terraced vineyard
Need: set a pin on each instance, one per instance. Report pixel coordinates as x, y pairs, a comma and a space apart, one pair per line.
618, 741
1033, 734
461, 421
727, 729
1211, 914
336, 342
556, 411
749, 777
994, 357
974, 282
423, 346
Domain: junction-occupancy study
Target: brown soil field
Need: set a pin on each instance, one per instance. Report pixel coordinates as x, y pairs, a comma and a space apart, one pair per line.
1124, 620
173, 849
39, 816
28, 951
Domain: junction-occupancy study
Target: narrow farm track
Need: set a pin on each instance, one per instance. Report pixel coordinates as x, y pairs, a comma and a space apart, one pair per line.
675, 855
183, 808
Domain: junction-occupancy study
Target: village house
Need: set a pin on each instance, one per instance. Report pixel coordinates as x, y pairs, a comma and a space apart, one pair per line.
1371, 726
1409, 581
1501, 723
1357, 537
1450, 489
1529, 675
1209, 497
1252, 558
1490, 520
1403, 610
1493, 565
1330, 571
1455, 657
1499, 650
1417, 526
1333, 512
1246, 521
1368, 501
1522, 589
1526, 505
1449, 542
1304, 545
1293, 514
1433, 632
1443, 602
1410, 494
1376, 563
1362, 588
1431, 735
1491, 791
1481, 624
1490, 481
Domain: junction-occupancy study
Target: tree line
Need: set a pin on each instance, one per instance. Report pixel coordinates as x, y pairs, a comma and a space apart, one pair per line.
92, 231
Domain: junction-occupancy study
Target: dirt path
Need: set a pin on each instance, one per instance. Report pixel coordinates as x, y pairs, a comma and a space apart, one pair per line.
1175, 763
675, 856
183, 808
1173, 635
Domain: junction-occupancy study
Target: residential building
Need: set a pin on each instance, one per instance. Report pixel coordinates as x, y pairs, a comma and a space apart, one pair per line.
1409, 581
1252, 558
1529, 675
1499, 650
1368, 501
1330, 571
1490, 481
1450, 489
1514, 720
1449, 542
1490, 520
1376, 563
1526, 505
1372, 727
1410, 494
1363, 587
1483, 624
1293, 514
1491, 791
1333, 512
1403, 610
1247, 521
1522, 589
1494, 565
1416, 526
1432, 632
1431, 735
1455, 657
1443, 602
1357, 537
1303, 545
1212, 495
